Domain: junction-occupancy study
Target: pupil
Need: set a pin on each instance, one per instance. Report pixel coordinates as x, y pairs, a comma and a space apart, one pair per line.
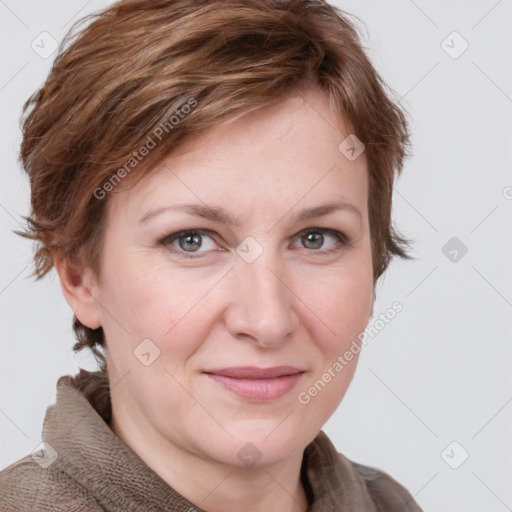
189, 242
311, 238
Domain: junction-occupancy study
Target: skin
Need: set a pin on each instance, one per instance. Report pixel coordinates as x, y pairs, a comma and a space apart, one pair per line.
297, 304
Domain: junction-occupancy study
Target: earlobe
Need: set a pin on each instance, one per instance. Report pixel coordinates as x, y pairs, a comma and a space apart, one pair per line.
77, 287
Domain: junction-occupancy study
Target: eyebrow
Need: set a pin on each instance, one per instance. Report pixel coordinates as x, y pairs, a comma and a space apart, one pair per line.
220, 215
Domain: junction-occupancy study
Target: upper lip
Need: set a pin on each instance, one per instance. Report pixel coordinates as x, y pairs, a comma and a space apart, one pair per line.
253, 372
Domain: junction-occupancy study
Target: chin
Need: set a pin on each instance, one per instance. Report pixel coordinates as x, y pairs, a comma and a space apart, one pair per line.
264, 446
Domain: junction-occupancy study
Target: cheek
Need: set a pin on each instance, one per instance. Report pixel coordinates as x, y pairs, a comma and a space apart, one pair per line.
340, 305
353, 303
341, 309
153, 301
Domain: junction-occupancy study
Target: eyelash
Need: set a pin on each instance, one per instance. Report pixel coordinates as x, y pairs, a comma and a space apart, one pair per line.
343, 240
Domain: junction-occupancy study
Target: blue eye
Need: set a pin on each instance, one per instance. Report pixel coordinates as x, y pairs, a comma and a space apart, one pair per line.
317, 236
190, 242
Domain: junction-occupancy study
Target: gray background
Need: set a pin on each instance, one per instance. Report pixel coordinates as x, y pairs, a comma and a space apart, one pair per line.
440, 371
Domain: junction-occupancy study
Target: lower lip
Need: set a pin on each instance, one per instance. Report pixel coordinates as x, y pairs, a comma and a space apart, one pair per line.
258, 389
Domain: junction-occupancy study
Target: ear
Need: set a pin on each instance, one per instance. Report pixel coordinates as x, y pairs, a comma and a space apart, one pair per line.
78, 289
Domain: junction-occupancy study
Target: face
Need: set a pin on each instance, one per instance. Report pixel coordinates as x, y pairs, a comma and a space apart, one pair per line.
262, 281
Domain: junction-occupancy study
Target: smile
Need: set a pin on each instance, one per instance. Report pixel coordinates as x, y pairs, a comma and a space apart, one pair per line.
257, 384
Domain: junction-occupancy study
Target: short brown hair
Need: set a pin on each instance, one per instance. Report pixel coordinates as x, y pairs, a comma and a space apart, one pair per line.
136, 65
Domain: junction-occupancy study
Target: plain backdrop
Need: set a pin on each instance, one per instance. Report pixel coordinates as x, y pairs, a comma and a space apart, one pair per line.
431, 401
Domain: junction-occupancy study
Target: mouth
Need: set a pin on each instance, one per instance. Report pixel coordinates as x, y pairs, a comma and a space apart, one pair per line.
257, 384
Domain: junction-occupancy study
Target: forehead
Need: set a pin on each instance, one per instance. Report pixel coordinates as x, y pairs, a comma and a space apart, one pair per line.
275, 156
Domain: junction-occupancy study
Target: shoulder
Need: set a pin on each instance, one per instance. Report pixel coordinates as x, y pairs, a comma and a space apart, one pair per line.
384, 490
26, 486
337, 481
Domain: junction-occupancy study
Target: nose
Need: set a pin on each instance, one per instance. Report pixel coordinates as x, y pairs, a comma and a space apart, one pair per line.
262, 309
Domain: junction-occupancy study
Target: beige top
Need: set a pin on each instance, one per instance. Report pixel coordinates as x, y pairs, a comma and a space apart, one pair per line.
94, 470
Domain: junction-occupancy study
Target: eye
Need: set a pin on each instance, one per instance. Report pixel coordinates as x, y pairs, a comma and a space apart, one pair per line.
189, 242
314, 239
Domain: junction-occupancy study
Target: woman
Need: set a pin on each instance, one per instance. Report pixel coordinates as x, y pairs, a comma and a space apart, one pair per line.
213, 182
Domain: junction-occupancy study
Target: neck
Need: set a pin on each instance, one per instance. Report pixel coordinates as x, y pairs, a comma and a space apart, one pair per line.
211, 485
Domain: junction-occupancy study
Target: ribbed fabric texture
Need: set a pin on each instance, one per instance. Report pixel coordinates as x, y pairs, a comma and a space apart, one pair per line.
96, 471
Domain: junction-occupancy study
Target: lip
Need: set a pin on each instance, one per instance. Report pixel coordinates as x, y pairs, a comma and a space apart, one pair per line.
257, 384
253, 372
